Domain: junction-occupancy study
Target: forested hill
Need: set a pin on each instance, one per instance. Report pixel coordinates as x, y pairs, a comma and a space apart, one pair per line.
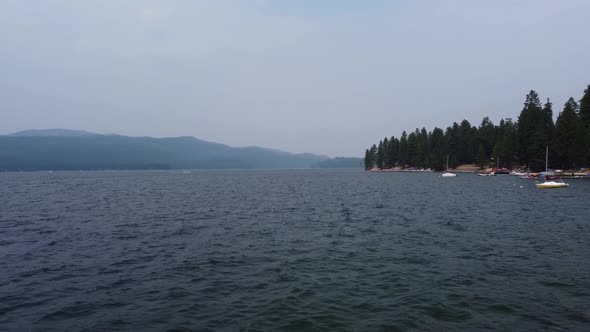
512, 143
28, 151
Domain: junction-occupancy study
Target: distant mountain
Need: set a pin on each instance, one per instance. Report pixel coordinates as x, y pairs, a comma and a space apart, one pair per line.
339, 162
64, 150
53, 132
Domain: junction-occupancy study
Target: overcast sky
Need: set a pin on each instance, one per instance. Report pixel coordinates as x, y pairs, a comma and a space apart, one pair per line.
329, 77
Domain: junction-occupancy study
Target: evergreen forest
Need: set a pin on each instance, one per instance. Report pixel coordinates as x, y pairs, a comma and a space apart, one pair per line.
510, 143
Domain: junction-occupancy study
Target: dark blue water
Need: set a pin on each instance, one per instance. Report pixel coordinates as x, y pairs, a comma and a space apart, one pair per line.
291, 250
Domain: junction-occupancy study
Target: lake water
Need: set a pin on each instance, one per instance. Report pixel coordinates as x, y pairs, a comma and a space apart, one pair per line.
291, 250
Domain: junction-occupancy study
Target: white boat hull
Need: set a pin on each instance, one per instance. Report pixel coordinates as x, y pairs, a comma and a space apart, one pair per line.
552, 185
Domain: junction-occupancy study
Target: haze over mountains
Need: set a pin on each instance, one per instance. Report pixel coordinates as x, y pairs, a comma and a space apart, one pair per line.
63, 149
53, 132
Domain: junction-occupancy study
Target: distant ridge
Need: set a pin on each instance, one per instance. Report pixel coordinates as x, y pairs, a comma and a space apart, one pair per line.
57, 132
64, 149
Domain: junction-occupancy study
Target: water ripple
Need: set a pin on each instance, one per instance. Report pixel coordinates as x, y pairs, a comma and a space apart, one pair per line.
290, 251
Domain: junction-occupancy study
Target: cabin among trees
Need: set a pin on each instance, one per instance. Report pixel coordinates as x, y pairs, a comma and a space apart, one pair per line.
509, 143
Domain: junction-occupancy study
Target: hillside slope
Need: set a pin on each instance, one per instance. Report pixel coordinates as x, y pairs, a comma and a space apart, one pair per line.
98, 152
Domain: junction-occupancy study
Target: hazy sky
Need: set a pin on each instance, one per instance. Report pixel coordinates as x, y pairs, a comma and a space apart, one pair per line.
329, 77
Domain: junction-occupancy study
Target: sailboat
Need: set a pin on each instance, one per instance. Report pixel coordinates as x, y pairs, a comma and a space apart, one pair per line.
448, 174
550, 184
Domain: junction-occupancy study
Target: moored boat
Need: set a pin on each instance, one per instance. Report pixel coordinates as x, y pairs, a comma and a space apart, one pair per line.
550, 183
448, 174
501, 171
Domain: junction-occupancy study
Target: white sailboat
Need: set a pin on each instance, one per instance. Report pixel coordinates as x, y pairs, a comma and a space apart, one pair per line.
448, 174
550, 184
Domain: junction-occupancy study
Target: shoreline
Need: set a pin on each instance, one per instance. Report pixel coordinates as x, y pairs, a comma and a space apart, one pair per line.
469, 169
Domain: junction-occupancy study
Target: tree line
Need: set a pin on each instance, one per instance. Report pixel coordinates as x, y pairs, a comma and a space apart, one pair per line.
508, 144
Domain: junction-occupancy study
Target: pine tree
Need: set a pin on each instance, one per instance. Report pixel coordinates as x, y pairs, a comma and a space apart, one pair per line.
373, 152
505, 147
379, 157
393, 151
438, 149
531, 132
403, 150
422, 148
466, 142
368, 160
511, 141
549, 126
580, 156
585, 122
486, 136
386, 160
482, 159
412, 149
548, 120
566, 133
453, 142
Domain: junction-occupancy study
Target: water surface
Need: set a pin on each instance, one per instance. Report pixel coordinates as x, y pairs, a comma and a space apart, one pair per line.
291, 250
